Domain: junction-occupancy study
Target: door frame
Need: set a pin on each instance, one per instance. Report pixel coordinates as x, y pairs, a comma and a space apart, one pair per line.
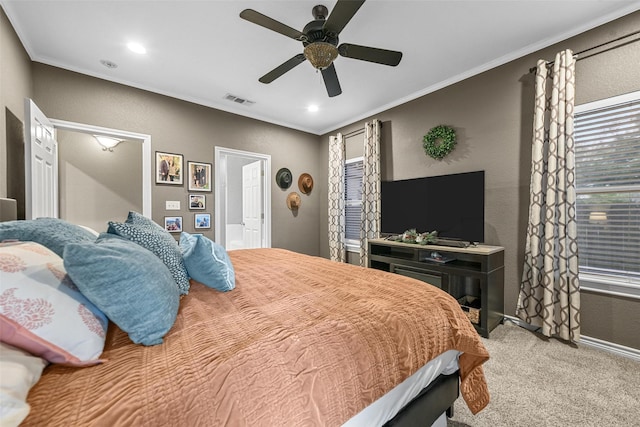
117, 133
220, 194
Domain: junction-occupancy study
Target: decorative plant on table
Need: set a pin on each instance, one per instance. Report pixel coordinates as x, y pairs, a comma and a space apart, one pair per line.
412, 236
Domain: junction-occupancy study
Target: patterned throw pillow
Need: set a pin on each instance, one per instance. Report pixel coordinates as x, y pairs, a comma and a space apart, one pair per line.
151, 236
207, 262
52, 233
41, 309
139, 219
129, 283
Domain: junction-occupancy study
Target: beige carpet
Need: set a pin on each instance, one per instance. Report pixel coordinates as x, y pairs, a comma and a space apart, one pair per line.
535, 381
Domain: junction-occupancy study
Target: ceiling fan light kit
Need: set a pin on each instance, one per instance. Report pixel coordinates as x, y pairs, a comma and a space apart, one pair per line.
320, 54
320, 40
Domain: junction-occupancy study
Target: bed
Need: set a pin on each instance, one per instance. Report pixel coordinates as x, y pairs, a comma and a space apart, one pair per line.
300, 340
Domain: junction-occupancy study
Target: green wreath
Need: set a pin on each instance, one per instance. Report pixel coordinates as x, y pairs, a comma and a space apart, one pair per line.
447, 137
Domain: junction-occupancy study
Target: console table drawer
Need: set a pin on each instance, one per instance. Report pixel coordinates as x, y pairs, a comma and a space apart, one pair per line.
434, 279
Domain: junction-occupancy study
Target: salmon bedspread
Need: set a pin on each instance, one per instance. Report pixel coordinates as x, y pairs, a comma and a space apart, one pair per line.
301, 341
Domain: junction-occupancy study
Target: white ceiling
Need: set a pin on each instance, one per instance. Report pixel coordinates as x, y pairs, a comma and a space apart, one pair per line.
200, 51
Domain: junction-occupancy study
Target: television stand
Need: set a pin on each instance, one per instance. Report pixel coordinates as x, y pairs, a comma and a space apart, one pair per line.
466, 273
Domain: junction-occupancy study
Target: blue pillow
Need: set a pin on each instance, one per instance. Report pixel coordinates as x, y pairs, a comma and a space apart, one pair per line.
139, 219
52, 233
127, 283
151, 236
207, 262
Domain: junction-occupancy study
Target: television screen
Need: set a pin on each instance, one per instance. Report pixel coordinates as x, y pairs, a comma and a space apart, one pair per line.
453, 205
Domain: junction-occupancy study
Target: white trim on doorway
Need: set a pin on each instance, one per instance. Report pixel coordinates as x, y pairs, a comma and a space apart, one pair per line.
117, 133
220, 193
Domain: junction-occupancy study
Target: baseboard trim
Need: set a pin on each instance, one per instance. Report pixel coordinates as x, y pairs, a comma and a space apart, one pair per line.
620, 350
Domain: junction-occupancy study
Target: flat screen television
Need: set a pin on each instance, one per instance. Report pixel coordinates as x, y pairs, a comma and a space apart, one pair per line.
452, 204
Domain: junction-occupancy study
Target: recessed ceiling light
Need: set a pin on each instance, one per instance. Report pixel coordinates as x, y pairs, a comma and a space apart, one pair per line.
313, 108
137, 48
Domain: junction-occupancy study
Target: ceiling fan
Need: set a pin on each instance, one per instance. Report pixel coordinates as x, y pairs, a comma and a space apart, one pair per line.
320, 40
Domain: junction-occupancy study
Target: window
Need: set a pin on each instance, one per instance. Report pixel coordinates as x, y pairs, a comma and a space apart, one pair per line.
607, 136
353, 172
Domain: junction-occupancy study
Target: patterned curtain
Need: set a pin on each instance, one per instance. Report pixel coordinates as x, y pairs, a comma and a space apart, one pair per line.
370, 224
336, 198
549, 293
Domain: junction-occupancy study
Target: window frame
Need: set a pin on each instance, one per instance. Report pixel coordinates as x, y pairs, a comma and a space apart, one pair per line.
610, 284
351, 245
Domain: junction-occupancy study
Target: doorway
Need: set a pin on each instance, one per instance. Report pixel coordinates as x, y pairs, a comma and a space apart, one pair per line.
37, 188
80, 181
242, 207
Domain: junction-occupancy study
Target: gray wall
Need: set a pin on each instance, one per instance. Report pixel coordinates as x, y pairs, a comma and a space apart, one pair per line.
192, 130
492, 114
15, 85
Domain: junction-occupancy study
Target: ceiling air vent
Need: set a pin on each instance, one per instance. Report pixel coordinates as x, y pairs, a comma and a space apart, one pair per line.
238, 100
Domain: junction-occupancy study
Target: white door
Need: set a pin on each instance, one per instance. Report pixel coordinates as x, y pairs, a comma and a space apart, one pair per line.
41, 164
252, 205
228, 163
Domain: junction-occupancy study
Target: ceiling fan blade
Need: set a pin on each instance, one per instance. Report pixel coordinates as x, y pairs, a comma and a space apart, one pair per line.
341, 14
371, 54
331, 81
270, 23
282, 68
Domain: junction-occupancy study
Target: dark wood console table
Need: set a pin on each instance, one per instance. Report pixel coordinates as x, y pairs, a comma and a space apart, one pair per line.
475, 271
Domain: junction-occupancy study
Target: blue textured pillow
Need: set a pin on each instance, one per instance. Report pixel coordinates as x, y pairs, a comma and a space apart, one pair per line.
207, 262
154, 238
128, 283
139, 219
52, 233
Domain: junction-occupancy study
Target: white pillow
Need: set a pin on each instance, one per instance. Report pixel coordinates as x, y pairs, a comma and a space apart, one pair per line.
20, 371
41, 309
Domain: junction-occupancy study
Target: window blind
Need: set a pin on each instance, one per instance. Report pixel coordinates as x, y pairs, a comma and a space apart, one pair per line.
608, 190
353, 173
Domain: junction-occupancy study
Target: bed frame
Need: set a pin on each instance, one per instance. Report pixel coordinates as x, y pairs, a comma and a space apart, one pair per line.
430, 403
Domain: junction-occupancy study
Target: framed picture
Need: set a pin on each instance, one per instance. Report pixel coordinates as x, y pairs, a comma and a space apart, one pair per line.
197, 201
203, 220
199, 176
168, 168
173, 224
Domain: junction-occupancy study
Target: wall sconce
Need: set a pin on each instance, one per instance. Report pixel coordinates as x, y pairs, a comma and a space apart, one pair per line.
107, 142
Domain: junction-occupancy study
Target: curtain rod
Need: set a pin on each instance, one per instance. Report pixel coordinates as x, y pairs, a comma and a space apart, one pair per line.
578, 54
353, 133
358, 131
